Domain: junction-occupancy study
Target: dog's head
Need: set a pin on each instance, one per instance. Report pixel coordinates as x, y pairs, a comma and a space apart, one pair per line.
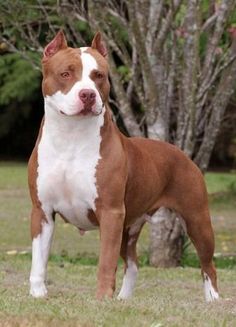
75, 80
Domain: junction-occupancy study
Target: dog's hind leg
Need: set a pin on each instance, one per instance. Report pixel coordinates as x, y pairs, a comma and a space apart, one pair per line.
200, 231
129, 255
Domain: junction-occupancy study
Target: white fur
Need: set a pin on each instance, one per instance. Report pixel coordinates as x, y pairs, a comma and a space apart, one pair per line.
210, 292
40, 252
128, 280
131, 272
68, 153
83, 49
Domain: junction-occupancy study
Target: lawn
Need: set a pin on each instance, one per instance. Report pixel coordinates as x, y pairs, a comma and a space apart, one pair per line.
170, 297
222, 195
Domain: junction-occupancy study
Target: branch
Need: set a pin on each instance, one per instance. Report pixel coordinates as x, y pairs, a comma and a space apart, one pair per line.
224, 11
209, 22
45, 13
123, 102
148, 78
219, 69
142, 11
154, 21
171, 78
203, 109
124, 105
22, 53
189, 78
166, 25
218, 107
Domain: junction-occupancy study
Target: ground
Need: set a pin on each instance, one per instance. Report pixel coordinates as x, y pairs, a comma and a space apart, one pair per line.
163, 297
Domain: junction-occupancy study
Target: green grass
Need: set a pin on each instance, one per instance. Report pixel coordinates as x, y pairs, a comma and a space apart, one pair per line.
13, 175
163, 297
222, 191
222, 198
170, 297
219, 182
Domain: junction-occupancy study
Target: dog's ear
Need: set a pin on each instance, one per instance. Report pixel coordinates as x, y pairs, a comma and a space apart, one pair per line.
58, 43
99, 45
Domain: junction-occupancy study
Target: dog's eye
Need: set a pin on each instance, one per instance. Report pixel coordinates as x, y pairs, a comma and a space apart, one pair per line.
99, 75
65, 75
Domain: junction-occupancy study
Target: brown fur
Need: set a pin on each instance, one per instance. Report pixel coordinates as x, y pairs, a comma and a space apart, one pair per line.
37, 214
52, 70
134, 176
147, 175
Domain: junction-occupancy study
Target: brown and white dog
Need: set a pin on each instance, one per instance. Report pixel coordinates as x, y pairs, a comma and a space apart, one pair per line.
85, 170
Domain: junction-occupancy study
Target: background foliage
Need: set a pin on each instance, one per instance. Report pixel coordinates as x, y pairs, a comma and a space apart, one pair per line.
26, 26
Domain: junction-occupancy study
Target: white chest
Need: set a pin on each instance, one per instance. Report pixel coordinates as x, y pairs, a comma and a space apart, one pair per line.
68, 155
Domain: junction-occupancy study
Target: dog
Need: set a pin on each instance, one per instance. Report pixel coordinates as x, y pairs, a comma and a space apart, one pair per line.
84, 169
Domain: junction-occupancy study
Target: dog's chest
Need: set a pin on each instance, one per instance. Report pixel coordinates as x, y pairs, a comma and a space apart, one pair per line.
67, 173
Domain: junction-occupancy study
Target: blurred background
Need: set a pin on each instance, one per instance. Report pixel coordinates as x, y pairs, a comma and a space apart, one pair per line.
173, 77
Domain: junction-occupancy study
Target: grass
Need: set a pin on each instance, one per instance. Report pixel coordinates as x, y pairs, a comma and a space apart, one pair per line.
222, 195
163, 297
170, 297
222, 190
219, 182
13, 175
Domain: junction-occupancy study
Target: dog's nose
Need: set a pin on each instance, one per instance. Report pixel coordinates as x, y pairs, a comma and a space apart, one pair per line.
87, 96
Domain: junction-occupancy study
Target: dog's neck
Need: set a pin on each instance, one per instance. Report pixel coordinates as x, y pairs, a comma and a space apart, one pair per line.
65, 132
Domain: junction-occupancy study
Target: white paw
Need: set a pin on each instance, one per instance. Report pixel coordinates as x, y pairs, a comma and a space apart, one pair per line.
210, 293
38, 290
124, 295
128, 281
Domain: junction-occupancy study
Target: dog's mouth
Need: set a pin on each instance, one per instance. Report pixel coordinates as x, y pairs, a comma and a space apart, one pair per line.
86, 111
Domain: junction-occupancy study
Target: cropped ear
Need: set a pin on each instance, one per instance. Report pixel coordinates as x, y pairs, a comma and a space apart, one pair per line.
99, 45
58, 43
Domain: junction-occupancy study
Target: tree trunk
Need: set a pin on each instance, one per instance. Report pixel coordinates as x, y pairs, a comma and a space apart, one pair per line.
166, 232
166, 239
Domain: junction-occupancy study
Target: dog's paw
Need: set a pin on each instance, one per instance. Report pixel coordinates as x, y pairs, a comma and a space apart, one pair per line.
123, 295
38, 290
210, 293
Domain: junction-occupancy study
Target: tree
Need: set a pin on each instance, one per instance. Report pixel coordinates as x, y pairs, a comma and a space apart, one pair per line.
173, 70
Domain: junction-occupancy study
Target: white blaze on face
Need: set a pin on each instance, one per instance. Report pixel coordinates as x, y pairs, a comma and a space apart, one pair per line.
70, 103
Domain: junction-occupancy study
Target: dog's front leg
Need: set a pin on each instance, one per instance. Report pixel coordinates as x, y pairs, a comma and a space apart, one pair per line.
111, 228
42, 231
